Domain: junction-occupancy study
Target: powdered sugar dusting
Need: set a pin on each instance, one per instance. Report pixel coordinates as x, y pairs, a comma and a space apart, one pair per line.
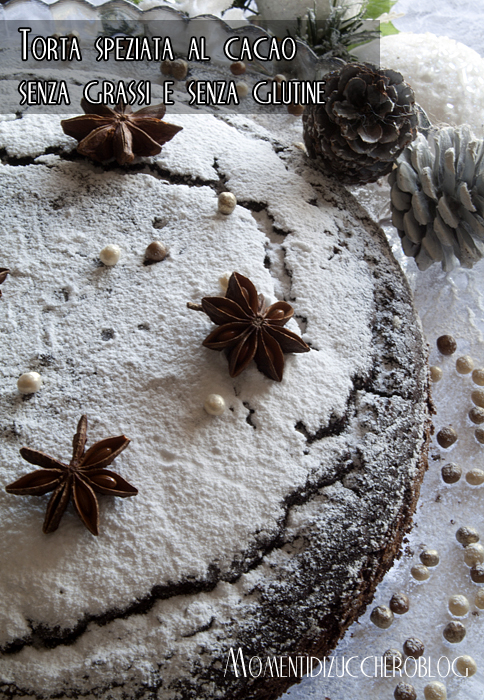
218, 497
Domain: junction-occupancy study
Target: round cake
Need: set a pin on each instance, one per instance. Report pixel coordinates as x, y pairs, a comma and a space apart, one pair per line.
260, 533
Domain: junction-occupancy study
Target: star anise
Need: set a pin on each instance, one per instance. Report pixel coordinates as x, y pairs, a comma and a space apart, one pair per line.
248, 330
120, 133
85, 474
3, 275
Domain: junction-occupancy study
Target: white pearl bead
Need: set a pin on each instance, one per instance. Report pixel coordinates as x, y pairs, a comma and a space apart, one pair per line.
226, 202
475, 477
214, 404
478, 377
466, 665
242, 88
474, 554
458, 605
464, 364
29, 383
435, 691
110, 254
420, 572
479, 601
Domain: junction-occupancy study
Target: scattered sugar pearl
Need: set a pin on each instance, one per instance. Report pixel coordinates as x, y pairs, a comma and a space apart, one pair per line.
474, 554
454, 632
479, 600
224, 280
464, 364
165, 67
430, 557
446, 345
479, 435
238, 68
393, 660
435, 374
29, 382
478, 377
110, 255
399, 603
466, 536
476, 415
295, 109
477, 573
435, 691
156, 251
413, 647
382, 617
242, 88
214, 404
475, 477
179, 69
451, 473
420, 572
466, 665
446, 437
477, 397
226, 202
458, 605
404, 691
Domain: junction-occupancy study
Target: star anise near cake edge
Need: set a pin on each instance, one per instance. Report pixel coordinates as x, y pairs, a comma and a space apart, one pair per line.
81, 479
105, 133
3, 276
249, 330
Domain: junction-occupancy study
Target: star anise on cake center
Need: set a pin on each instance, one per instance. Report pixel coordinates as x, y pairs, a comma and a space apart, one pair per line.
81, 479
249, 330
119, 133
3, 275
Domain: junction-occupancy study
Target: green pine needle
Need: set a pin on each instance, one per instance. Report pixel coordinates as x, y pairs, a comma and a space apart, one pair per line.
337, 35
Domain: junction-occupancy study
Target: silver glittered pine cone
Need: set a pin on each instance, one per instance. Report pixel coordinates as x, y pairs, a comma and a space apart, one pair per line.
437, 198
368, 118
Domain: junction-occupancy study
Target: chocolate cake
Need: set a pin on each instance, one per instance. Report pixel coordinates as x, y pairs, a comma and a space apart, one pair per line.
261, 532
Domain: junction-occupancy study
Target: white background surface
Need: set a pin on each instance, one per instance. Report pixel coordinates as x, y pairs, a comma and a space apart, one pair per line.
447, 303
462, 20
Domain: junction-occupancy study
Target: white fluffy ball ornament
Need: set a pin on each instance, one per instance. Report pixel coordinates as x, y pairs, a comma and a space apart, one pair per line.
446, 76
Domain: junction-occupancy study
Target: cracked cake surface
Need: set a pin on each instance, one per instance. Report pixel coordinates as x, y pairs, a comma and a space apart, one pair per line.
265, 529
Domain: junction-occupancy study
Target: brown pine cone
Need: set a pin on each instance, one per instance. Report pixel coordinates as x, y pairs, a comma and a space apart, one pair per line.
368, 118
